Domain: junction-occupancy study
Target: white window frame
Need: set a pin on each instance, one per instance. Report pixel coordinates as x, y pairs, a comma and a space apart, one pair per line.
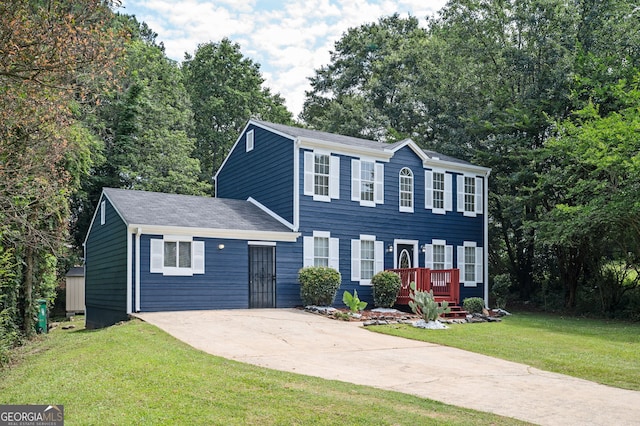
477, 195
429, 254
378, 182
249, 141
156, 254
308, 245
429, 191
478, 265
310, 174
103, 212
409, 178
356, 266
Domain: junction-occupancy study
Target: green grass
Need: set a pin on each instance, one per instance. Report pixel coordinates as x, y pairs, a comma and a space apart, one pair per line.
134, 373
606, 352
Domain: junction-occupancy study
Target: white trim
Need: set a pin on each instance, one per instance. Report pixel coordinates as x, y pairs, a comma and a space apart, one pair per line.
486, 238
455, 167
231, 234
378, 183
194, 269
415, 244
349, 150
103, 212
296, 188
308, 173
406, 209
261, 243
129, 272
462, 263
249, 141
137, 269
271, 213
334, 177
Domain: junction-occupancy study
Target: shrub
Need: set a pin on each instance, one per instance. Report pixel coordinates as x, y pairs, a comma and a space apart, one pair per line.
385, 288
423, 304
500, 290
473, 305
318, 285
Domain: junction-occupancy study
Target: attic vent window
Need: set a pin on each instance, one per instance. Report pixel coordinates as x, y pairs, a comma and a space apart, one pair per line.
249, 141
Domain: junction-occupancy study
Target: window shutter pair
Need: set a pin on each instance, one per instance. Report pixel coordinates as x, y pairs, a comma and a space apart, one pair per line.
355, 259
378, 187
448, 256
478, 202
156, 261
478, 265
428, 192
334, 175
308, 253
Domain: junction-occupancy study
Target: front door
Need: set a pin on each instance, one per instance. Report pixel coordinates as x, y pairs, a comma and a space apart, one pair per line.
404, 253
262, 277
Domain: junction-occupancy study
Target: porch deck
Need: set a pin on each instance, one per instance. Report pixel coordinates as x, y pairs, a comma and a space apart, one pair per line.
445, 284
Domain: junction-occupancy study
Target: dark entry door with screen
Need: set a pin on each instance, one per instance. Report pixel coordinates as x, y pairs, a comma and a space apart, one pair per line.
262, 277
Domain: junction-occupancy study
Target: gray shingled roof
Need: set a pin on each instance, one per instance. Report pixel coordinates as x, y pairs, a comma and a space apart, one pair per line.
299, 132
159, 209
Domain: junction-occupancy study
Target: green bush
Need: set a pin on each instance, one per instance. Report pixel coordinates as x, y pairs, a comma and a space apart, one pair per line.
473, 305
318, 285
500, 290
353, 301
385, 288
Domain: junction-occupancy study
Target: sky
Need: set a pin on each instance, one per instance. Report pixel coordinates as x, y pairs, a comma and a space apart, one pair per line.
290, 39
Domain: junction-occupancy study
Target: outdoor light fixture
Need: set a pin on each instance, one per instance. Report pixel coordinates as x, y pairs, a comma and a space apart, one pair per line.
390, 249
220, 246
423, 248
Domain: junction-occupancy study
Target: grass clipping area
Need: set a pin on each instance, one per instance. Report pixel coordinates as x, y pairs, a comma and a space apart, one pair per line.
606, 352
133, 373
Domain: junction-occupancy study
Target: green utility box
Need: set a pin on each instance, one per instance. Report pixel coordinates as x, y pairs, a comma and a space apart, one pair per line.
42, 316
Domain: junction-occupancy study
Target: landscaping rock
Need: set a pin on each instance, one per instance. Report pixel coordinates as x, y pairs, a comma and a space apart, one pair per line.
431, 325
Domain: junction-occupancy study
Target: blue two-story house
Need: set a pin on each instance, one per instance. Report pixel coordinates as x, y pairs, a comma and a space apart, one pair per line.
287, 198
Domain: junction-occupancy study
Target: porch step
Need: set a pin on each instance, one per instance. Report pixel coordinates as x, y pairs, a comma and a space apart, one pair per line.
456, 312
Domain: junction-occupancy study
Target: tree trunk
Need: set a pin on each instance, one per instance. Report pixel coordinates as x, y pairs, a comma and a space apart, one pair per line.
28, 293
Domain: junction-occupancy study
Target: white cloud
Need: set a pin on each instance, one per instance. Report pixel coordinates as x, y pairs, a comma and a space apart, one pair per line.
289, 38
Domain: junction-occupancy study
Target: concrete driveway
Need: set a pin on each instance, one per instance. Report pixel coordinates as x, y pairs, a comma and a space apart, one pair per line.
304, 343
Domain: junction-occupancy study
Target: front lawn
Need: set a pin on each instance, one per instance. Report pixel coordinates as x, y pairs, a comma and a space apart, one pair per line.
134, 373
606, 352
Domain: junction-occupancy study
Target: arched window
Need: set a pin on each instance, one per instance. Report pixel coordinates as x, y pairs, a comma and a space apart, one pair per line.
406, 190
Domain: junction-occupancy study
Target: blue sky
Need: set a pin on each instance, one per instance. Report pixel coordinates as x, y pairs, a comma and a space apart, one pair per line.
289, 39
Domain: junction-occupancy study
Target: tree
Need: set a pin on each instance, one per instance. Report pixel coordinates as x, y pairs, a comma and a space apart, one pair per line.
144, 128
225, 90
373, 87
50, 51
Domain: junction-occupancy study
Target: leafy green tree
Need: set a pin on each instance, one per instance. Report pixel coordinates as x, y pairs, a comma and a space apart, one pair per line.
225, 90
143, 127
51, 51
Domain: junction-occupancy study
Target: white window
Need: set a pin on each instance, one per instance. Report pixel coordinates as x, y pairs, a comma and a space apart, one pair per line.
321, 250
367, 182
470, 263
438, 193
406, 190
248, 142
438, 255
469, 195
367, 258
176, 255
103, 212
321, 175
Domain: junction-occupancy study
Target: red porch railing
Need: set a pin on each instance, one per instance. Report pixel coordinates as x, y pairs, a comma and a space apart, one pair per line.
445, 283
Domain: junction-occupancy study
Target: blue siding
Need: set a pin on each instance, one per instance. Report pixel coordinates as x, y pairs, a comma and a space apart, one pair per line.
225, 284
106, 270
347, 220
265, 173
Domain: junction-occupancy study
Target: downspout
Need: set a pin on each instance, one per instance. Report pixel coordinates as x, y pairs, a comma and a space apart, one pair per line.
129, 271
296, 185
138, 234
486, 238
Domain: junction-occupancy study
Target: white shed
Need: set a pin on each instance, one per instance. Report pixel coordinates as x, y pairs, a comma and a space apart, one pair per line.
75, 291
